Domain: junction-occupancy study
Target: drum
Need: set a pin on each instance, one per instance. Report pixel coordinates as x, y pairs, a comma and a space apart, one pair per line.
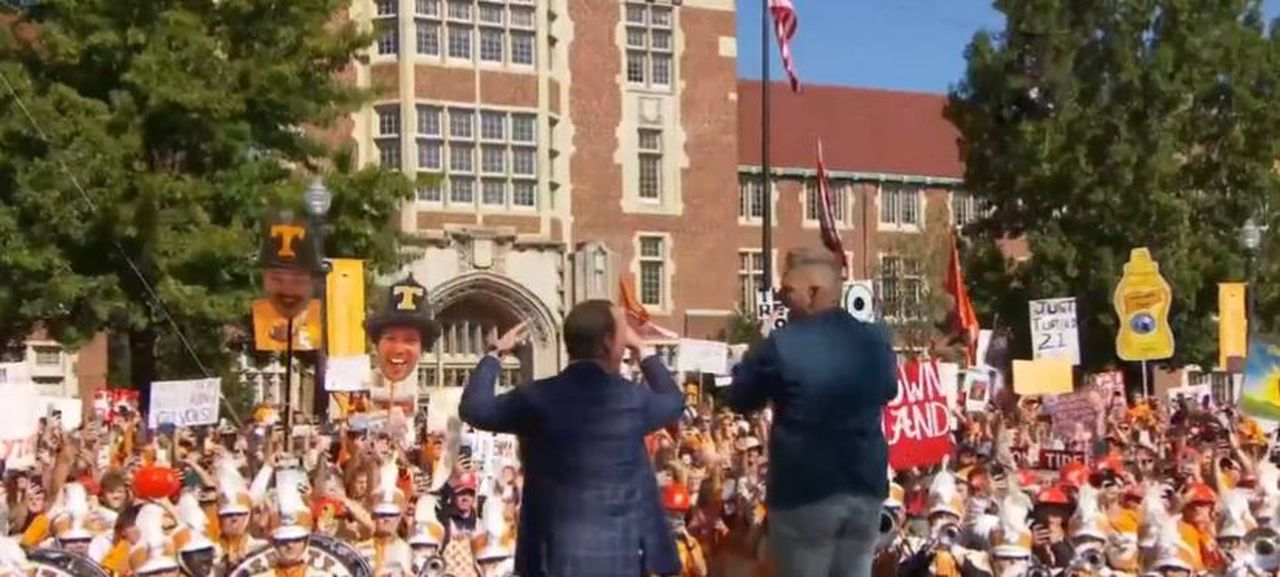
58, 563
325, 555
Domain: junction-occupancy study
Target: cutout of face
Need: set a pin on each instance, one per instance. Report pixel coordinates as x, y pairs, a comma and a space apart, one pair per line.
398, 351
288, 290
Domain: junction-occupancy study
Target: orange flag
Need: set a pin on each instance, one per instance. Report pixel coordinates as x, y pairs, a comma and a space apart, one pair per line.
635, 311
966, 318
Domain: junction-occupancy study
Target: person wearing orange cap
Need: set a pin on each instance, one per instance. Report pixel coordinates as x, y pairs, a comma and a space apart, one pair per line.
1053, 507
1197, 527
676, 502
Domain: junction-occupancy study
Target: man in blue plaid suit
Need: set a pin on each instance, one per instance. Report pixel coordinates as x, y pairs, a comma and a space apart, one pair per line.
590, 506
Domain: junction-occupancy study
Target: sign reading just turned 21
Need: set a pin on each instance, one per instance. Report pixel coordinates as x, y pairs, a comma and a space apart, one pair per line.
1142, 301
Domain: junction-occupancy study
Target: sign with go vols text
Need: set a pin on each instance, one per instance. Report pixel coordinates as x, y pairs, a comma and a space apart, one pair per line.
184, 403
917, 423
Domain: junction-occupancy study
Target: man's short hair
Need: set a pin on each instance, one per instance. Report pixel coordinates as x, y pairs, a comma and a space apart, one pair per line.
808, 257
586, 328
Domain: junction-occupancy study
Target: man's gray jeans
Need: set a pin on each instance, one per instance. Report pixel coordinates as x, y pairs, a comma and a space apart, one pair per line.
834, 537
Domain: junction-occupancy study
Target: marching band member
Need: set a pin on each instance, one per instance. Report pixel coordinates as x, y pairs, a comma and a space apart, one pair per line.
71, 518
196, 553
496, 557
461, 528
289, 540
235, 503
944, 555
387, 553
1090, 535
1011, 540
153, 555
1174, 556
427, 535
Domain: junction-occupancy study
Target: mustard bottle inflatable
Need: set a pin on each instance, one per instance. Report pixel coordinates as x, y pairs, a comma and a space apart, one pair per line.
1142, 301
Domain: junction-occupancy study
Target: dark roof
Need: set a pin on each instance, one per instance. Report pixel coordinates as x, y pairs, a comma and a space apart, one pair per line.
862, 130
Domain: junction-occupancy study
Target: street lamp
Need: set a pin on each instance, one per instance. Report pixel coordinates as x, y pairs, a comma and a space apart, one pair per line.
318, 199
1251, 238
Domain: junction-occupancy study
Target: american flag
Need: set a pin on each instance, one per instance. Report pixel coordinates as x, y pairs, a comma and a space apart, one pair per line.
785, 24
826, 212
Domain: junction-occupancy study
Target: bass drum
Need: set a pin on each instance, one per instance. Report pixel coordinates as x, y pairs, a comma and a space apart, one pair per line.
48, 562
325, 556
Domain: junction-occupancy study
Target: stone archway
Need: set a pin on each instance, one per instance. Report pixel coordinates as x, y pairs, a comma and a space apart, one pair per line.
477, 306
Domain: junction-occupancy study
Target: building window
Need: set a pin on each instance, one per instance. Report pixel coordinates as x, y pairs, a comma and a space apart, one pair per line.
427, 7
649, 45
430, 191
650, 150
503, 31
900, 288
48, 356
387, 7
900, 205
388, 120
389, 154
751, 199
459, 42
389, 39
653, 271
428, 37
750, 278
965, 208
497, 160
839, 201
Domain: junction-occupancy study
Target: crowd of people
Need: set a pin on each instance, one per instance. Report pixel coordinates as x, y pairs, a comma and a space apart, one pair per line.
1176, 489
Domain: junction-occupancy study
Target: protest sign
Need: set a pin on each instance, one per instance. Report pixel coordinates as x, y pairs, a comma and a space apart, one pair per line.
347, 374
1053, 330
184, 403
1056, 460
69, 411
699, 356
1077, 416
1042, 376
917, 423
979, 386
19, 419
1260, 397
949, 376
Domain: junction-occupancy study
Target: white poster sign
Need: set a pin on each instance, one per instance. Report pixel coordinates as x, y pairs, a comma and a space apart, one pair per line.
979, 383
71, 411
949, 377
1053, 330
442, 406
699, 356
19, 419
184, 403
15, 373
347, 374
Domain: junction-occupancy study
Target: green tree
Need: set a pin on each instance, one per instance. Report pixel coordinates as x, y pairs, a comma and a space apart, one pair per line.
153, 134
1092, 127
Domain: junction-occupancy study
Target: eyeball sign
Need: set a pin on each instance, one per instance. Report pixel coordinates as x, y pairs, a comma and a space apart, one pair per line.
858, 300
917, 423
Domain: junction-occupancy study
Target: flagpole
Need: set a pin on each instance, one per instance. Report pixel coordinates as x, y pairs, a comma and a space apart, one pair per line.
766, 216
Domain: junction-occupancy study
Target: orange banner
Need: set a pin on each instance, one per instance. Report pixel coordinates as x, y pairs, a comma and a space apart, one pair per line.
1233, 324
270, 329
345, 296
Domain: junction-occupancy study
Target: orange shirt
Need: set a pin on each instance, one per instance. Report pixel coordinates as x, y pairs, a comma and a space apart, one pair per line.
36, 532
1202, 554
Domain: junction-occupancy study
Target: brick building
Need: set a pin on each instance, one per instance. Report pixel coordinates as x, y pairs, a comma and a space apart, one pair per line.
565, 144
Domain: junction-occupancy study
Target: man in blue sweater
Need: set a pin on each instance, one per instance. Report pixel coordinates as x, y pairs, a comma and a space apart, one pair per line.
829, 377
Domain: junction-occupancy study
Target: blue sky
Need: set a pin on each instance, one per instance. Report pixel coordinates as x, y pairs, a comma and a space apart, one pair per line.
915, 45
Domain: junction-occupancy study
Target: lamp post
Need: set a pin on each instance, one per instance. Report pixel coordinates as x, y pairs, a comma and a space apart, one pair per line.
1251, 238
318, 199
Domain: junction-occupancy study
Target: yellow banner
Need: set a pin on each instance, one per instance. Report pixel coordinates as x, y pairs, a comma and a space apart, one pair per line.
1233, 325
1042, 377
270, 330
345, 297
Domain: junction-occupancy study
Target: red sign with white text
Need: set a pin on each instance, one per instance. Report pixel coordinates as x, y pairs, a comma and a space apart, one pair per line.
917, 423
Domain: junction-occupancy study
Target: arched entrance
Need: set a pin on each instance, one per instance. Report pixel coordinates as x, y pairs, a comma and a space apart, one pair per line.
476, 307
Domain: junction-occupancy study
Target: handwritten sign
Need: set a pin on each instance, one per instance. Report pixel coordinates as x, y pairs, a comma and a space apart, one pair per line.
1056, 460
1076, 416
19, 418
1053, 329
917, 423
699, 356
184, 403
